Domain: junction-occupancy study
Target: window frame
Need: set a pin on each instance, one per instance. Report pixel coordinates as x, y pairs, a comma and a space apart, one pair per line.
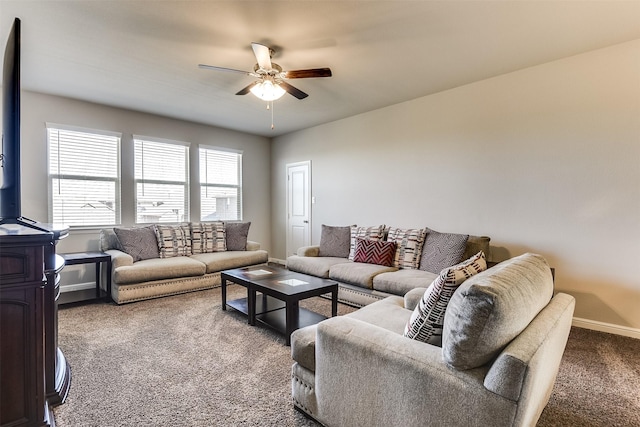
51, 177
239, 187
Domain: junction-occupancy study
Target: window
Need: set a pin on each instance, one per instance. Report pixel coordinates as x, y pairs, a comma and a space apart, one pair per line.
84, 176
162, 180
220, 184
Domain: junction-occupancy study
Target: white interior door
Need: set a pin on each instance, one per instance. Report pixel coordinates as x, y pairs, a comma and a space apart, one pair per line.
298, 206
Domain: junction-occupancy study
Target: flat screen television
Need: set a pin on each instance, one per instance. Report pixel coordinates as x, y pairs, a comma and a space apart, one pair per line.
10, 188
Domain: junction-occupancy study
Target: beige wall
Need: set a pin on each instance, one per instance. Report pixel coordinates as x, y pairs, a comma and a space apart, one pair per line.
37, 109
545, 159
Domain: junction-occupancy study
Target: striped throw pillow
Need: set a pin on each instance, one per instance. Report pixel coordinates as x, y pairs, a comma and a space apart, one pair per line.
409, 246
174, 240
427, 320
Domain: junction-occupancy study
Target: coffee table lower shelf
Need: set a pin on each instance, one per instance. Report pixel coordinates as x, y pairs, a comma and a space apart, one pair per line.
271, 312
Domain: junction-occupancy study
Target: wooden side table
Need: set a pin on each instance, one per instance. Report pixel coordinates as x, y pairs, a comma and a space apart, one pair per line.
97, 258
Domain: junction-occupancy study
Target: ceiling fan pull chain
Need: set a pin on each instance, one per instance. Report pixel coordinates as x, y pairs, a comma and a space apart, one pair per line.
272, 126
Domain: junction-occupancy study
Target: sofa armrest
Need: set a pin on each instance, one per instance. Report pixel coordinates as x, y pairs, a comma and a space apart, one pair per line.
309, 251
253, 246
365, 374
119, 258
412, 298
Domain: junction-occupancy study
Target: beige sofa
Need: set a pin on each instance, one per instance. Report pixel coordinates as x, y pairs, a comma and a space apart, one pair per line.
504, 336
156, 277
360, 284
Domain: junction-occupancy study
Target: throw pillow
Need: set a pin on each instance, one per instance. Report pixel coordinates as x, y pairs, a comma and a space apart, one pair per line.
208, 237
409, 246
173, 240
335, 241
138, 242
237, 233
371, 233
442, 250
427, 320
374, 252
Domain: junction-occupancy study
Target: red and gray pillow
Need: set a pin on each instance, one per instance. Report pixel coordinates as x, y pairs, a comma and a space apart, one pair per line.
374, 252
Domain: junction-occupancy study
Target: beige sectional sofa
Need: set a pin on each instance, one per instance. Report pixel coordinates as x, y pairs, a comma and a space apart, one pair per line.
503, 338
136, 279
363, 283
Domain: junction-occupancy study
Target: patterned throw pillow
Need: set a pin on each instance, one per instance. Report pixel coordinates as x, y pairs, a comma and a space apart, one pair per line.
427, 320
335, 241
374, 252
409, 242
174, 240
370, 233
442, 250
237, 234
139, 242
208, 237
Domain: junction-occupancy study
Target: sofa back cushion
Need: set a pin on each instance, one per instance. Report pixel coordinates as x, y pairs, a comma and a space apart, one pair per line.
492, 308
335, 241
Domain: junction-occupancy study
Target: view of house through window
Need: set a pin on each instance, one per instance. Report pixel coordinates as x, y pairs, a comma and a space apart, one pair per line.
84, 176
220, 184
162, 180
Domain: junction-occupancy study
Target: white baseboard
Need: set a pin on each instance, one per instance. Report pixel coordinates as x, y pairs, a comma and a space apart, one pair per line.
606, 327
77, 287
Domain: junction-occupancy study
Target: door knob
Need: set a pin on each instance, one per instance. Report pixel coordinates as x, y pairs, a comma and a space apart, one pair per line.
305, 221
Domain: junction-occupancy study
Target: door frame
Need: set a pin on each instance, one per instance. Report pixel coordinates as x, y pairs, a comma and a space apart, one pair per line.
306, 163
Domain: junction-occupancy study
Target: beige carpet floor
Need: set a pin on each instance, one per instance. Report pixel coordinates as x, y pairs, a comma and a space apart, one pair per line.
182, 361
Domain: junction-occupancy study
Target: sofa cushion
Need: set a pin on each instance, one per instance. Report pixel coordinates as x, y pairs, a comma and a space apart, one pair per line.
335, 241
388, 313
140, 242
371, 233
174, 240
409, 243
208, 237
219, 261
402, 281
109, 240
442, 250
374, 252
314, 266
158, 269
357, 273
427, 319
492, 308
476, 244
236, 235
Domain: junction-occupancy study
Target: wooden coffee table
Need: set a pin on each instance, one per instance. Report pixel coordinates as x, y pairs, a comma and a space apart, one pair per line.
280, 292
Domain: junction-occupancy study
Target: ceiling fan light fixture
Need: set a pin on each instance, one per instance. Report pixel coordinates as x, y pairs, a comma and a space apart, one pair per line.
267, 90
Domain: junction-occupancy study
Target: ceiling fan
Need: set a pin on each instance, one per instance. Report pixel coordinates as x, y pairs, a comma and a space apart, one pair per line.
271, 84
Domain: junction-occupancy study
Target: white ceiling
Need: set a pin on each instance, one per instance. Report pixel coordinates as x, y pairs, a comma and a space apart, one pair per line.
143, 55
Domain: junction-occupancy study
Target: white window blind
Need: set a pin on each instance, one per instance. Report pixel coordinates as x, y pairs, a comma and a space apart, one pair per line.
84, 176
220, 184
162, 181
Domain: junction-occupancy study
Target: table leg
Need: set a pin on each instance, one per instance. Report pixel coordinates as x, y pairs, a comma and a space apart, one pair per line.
251, 305
98, 277
223, 287
291, 321
108, 279
334, 303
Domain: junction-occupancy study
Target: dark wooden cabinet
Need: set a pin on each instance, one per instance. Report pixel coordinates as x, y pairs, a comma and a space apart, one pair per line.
33, 373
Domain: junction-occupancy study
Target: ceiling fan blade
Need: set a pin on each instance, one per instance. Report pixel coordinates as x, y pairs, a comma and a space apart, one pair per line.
246, 89
293, 90
263, 55
231, 70
304, 74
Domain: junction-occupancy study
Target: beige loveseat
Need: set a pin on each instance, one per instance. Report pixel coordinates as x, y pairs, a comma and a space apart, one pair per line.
360, 284
504, 336
156, 277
